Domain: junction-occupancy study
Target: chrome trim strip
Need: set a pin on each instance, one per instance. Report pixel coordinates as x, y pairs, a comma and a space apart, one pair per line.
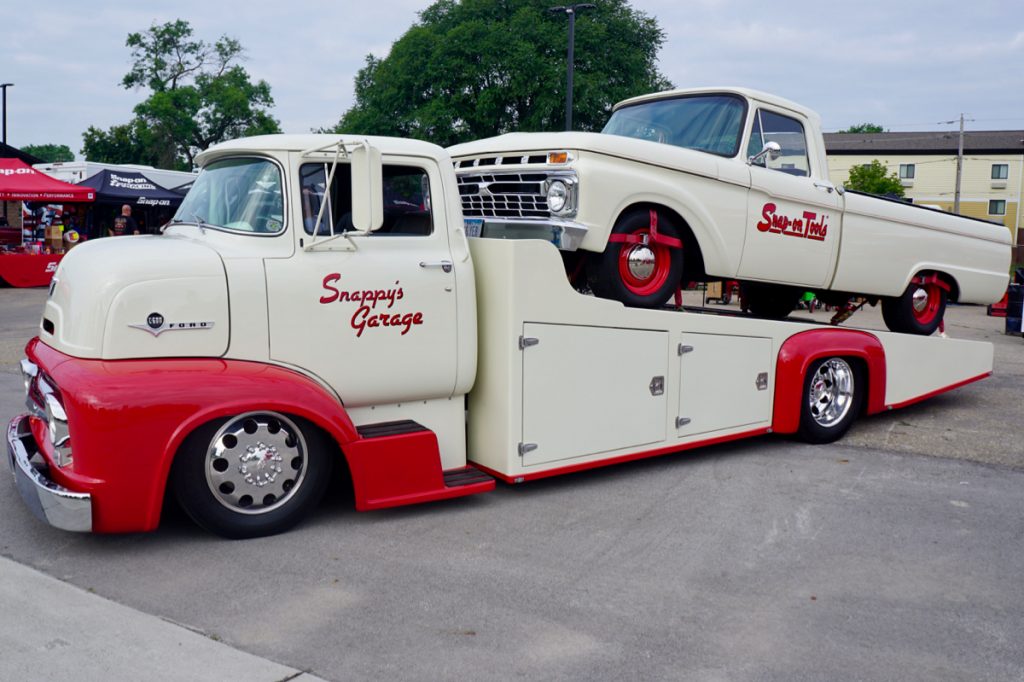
54, 504
564, 234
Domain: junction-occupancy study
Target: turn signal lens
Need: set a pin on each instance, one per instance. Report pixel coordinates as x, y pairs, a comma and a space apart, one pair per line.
558, 157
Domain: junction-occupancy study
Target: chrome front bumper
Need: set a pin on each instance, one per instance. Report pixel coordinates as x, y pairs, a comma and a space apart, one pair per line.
57, 506
565, 234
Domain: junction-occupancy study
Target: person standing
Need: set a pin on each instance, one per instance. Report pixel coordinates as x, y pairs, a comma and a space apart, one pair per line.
124, 223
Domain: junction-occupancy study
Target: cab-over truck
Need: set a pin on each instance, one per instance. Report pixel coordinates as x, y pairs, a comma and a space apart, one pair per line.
315, 309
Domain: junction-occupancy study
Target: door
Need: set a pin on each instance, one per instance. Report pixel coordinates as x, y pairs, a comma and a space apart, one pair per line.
588, 390
371, 314
724, 383
793, 220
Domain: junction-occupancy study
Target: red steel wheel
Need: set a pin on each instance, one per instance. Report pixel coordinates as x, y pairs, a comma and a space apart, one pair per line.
642, 265
919, 309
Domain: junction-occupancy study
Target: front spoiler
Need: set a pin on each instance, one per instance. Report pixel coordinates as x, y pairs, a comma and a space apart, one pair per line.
52, 503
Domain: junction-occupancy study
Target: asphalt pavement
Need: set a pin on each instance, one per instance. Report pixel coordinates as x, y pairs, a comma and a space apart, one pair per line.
895, 554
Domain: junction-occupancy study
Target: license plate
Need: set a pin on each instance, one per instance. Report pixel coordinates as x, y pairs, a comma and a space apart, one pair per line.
474, 226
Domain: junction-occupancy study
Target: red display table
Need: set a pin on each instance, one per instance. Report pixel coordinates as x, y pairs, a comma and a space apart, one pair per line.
28, 269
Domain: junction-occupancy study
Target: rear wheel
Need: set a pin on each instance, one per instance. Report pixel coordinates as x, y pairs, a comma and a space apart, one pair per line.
919, 310
642, 264
251, 475
831, 400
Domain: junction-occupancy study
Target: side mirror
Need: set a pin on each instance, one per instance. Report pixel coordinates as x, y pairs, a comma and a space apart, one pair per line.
771, 149
367, 188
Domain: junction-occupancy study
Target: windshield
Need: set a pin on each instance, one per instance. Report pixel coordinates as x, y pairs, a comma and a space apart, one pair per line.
707, 123
236, 194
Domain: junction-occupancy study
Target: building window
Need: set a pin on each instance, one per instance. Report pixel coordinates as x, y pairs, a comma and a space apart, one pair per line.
1000, 171
997, 207
907, 171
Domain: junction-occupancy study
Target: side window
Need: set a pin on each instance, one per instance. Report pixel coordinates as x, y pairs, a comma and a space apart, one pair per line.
406, 200
789, 134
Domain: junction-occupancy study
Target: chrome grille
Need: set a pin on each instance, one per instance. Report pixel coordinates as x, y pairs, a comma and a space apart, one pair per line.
504, 195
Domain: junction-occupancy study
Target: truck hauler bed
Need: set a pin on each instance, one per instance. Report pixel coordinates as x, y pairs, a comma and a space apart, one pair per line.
568, 382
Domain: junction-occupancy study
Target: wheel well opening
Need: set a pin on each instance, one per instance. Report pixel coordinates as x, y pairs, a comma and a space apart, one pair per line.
860, 366
693, 259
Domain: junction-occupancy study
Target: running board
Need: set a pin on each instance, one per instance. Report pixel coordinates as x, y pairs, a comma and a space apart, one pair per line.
399, 463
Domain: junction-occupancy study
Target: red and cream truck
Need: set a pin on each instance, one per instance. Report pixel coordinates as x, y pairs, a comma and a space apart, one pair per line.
315, 309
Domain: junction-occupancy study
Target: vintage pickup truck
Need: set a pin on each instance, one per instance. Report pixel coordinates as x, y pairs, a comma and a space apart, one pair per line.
724, 183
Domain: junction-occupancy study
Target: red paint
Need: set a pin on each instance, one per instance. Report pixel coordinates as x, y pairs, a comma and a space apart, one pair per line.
808, 225
28, 269
572, 468
653, 236
800, 350
932, 394
128, 418
936, 290
365, 316
392, 471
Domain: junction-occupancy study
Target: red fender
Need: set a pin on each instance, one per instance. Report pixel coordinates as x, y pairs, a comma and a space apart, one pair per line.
800, 350
128, 418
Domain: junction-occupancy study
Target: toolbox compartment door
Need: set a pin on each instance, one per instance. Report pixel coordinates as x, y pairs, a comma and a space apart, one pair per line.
588, 390
725, 382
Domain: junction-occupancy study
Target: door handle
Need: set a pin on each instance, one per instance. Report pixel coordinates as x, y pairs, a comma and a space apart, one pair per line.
827, 186
445, 265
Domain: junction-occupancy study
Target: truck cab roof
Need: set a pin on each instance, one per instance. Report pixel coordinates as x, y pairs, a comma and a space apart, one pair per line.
309, 141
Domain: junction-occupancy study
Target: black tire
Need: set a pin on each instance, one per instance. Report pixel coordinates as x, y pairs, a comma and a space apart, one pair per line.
831, 399
919, 310
638, 275
251, 475
770, 301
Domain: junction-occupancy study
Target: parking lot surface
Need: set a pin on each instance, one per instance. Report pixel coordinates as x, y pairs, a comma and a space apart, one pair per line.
893, 554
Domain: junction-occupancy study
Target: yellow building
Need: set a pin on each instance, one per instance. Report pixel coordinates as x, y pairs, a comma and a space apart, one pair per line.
992, 177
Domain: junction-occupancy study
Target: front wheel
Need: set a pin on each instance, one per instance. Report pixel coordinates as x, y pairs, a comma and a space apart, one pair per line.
251, 475
919, 310
831, 400
642, 264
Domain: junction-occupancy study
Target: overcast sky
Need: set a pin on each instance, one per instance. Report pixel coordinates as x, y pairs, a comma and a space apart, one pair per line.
905, 64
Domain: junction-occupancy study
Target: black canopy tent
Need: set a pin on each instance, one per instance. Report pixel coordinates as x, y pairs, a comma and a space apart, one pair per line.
152, 205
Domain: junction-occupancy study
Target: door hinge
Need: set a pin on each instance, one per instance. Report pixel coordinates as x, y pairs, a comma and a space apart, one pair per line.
684, 349
682, 421
526, 447
527, 341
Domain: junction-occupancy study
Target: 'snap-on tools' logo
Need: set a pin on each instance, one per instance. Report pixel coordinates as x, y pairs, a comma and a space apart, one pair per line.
157, 325
808, 226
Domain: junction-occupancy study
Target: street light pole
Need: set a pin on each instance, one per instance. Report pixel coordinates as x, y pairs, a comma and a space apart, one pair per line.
3, 87
571, 10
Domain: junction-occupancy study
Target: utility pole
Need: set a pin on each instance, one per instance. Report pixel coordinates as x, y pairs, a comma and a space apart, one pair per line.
571, 10
959, 166
4, 86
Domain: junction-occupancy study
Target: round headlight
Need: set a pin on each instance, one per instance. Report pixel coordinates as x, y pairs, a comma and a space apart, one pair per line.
558, 195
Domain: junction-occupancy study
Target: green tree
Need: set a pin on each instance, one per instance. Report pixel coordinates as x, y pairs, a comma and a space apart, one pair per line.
199, 95
50, 153
864, 128
476, 68
873, 178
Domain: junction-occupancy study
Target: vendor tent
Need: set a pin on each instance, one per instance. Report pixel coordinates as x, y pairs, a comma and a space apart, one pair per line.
127, 187
21, 182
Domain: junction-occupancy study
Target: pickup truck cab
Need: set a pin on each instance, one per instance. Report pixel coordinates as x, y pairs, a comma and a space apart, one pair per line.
315, 309
725, 183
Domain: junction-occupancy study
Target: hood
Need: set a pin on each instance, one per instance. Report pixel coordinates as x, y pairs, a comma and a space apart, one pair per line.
136, 297
513, 146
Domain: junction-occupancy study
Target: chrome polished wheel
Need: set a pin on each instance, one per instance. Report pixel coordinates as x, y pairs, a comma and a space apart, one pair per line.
640, 262
830, 393
256, 462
